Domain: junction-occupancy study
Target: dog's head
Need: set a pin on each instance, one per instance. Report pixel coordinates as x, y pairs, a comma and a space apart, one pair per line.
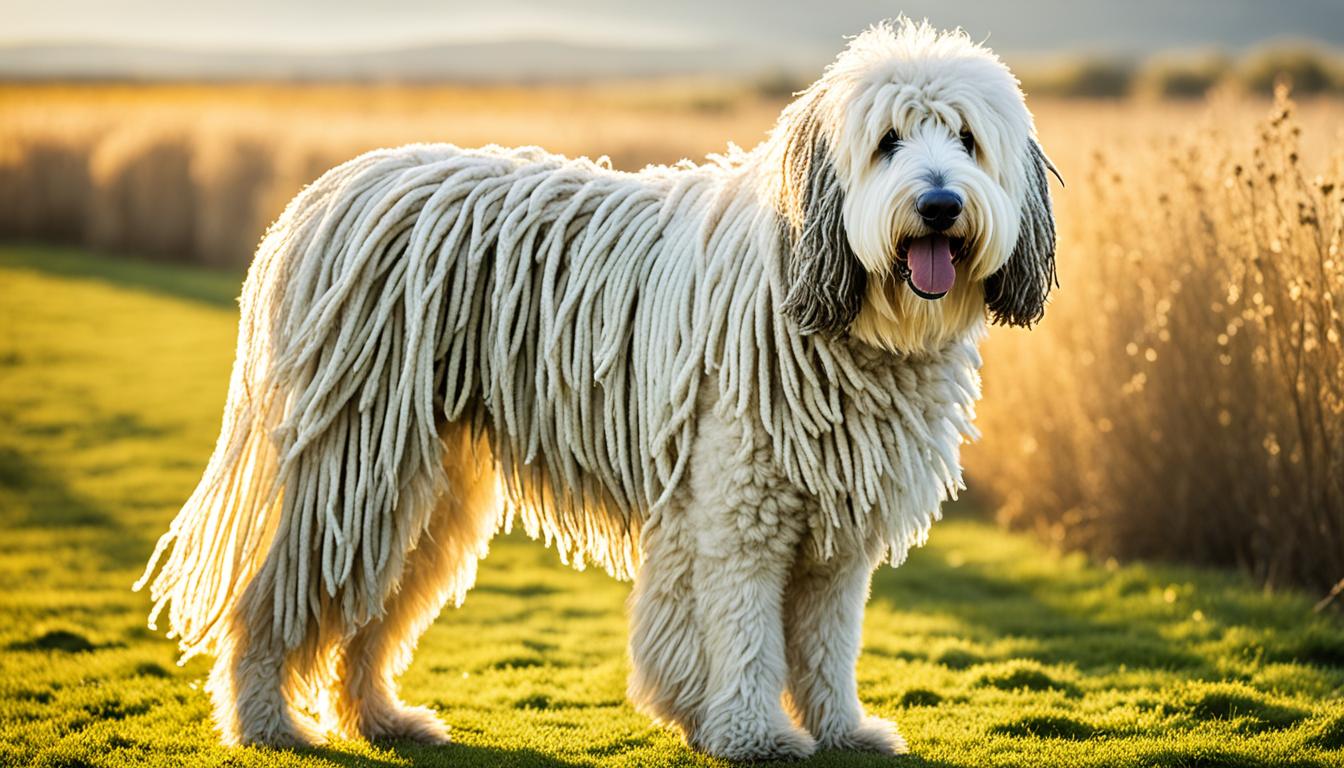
913, 193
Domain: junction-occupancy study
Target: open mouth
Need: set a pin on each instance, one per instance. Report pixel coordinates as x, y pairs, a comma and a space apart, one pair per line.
928, 264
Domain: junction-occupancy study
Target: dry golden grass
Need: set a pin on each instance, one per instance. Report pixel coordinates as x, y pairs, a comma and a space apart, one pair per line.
1185, 396
191, 173
1181, 399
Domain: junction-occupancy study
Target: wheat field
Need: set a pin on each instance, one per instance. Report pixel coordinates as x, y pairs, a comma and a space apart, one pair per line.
1183, 399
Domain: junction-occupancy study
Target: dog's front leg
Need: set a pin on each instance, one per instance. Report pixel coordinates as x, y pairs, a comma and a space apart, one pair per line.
746, 534
823, 623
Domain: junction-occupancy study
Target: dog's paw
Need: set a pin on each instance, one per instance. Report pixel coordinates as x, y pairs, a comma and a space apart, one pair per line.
290, 731
872, 734
420, 724
778, 743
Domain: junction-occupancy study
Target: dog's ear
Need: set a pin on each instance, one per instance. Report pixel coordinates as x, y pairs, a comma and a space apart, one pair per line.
826, 281
1016, 294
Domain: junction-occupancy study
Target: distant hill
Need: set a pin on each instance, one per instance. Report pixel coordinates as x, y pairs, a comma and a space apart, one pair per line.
496, 61
522, 40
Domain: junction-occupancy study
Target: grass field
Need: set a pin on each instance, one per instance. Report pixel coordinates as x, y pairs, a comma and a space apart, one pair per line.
986, 648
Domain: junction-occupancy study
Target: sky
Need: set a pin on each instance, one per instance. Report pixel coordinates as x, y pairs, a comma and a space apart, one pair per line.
327, 25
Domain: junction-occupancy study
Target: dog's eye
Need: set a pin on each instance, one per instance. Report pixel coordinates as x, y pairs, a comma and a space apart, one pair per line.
968, 141
889, 143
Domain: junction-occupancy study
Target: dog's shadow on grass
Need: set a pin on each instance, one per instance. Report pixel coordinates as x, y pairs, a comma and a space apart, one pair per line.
211, 287
399, 754
993, 606
44, 500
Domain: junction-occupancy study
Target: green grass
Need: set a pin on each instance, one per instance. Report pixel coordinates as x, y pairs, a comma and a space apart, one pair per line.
986, 648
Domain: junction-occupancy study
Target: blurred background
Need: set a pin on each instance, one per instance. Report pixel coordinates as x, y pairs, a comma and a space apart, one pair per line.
1183, 399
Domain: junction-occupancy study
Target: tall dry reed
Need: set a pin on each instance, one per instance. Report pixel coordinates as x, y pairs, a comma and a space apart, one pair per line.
1184, 397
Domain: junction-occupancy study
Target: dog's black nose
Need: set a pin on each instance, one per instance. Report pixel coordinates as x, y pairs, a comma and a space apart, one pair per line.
939, 208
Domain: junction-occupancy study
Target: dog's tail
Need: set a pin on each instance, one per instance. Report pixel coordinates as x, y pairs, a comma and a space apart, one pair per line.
299, 492
221, 535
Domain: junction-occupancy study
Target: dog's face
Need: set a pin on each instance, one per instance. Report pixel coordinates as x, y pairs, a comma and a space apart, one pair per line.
914, 194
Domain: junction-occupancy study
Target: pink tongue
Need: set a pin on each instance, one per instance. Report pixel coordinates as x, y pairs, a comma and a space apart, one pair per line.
931, 269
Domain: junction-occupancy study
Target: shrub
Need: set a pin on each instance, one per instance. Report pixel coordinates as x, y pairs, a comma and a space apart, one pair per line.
1182, 77
1088, 77
232, 176
44, 187
1309, 70
143, 199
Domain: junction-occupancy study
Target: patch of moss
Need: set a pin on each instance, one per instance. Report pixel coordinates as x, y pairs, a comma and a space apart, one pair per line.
1020, 676
1329, 734
1234, 703
61, 640
518, 662
1046, 727
958, 658
534, 701
920, 697
151, 669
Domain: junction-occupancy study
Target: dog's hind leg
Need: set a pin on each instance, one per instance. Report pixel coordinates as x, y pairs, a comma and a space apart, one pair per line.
441, 567
254, 684
822, 623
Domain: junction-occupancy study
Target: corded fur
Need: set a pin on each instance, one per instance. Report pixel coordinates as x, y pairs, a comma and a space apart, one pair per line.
579, 320
712, 377
570, 311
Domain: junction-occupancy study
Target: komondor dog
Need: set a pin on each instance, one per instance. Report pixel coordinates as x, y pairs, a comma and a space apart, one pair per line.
742, 384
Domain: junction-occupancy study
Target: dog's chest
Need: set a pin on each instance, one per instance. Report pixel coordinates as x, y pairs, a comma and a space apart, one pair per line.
884, 451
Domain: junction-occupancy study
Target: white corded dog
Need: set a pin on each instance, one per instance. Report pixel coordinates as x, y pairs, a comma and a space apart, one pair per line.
744, 384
